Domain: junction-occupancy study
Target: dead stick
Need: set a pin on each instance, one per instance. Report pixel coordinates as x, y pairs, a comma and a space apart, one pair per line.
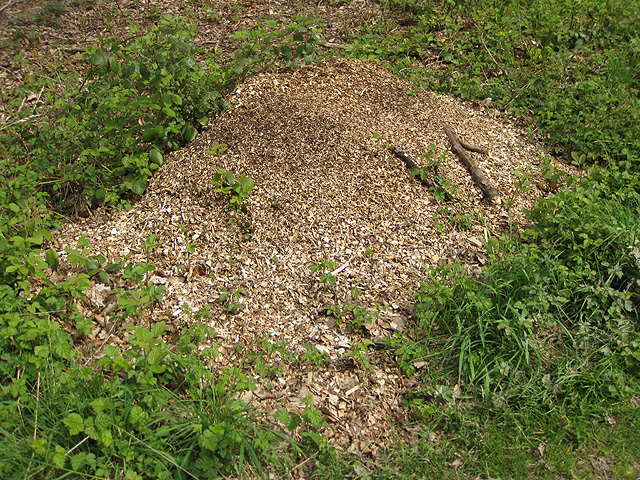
411, 165
490, 192
10, 2
472, 148
405, 158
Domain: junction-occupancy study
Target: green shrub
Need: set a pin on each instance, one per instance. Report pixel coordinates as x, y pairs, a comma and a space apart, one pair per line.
105, 134
555, 318
571, 67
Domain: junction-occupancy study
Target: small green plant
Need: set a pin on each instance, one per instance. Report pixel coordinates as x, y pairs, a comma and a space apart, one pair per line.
440, 184
232, 298
325, 268
315, 356
464, 222
554, 175
134, 303
310, 419
216, 150
360, 354
199, 315
336, 311
189, 245
267, 358
381, 145
361, 316
521, 184
237, 188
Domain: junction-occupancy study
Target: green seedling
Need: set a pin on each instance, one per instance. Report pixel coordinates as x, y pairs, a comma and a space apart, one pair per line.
325, 268
232, 296
237, 188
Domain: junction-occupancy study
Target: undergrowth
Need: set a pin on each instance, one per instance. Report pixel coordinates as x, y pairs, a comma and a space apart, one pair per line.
570, 69
72, 405
528, 369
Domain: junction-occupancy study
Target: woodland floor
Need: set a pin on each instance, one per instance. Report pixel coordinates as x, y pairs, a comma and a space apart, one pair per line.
326, 188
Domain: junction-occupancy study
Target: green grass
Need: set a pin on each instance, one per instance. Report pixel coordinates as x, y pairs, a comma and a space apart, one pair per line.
475, 443
544, 344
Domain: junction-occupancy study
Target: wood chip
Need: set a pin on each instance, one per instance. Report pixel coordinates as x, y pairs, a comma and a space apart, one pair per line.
326, 188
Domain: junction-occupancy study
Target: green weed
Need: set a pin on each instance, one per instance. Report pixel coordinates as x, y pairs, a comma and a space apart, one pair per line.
325, 267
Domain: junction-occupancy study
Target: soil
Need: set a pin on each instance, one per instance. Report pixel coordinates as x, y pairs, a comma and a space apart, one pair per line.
316, 143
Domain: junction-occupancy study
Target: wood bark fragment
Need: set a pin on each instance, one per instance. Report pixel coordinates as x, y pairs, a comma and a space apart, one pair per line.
490, 192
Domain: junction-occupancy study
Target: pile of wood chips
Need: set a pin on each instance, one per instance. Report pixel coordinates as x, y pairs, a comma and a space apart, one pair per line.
327, 187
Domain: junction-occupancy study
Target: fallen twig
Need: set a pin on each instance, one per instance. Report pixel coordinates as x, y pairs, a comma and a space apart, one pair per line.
490, 192
10, 2
427, 182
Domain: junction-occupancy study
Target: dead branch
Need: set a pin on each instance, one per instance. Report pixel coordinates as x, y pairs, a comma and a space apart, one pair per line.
405, 158
472, 148
490, 192
427, 182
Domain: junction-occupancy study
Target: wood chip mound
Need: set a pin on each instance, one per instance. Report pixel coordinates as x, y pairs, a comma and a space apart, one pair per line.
325, 189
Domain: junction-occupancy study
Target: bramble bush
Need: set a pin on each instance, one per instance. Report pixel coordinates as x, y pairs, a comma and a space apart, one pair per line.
149, 409
136, 99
